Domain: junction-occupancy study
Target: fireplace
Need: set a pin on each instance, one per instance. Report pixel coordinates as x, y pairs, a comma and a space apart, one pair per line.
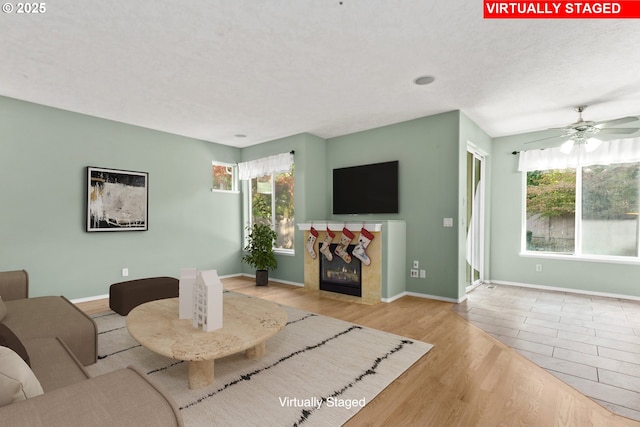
370, 276
341, 277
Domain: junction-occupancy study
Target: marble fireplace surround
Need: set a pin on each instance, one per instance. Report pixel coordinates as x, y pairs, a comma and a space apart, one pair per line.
371, 280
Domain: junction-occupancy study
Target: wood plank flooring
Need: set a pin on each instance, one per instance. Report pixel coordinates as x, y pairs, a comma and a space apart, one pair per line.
468, 379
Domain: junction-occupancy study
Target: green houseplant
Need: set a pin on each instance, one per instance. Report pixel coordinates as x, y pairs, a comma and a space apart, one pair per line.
259, 251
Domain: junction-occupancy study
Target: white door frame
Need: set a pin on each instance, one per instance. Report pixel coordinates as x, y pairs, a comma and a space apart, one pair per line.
475, 248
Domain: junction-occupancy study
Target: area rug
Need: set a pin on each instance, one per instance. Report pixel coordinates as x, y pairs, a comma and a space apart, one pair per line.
317, 371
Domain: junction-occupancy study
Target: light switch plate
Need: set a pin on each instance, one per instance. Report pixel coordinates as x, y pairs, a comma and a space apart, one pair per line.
447, 222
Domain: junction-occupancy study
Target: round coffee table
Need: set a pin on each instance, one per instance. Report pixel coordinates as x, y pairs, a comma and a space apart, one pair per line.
247, 323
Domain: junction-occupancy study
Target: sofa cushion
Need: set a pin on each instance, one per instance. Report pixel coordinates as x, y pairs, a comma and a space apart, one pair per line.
10, 340
54, 364
51, 316
3, 309
14, 284
17, 381
123, 398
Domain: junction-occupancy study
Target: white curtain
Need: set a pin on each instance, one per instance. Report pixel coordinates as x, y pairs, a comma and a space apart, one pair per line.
615, 151
473, 234
265, 166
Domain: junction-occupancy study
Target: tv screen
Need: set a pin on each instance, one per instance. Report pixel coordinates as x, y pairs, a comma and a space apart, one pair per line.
366, 189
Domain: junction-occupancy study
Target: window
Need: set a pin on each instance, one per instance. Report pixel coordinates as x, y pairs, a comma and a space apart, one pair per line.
587, 210
225, 177
275, 193
610, 210
550, 224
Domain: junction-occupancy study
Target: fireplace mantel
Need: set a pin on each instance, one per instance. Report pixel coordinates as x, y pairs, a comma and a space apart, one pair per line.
387, 251
338, 226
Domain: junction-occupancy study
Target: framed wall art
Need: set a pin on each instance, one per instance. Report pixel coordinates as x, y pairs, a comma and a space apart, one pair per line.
117, 200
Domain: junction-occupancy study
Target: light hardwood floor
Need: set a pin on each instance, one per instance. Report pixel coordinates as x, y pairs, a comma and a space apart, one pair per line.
468, 379
590, 342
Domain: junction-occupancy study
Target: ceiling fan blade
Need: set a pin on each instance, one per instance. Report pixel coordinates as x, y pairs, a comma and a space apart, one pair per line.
616, 122
617, 131
566, 135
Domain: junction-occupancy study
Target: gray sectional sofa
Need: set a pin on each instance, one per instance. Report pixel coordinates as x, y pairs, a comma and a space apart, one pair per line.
46, 342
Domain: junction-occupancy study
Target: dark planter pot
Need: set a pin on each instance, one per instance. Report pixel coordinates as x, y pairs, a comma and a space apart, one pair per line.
262, 277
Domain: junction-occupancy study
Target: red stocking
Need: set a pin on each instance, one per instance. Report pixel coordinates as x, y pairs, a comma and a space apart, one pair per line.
345, 239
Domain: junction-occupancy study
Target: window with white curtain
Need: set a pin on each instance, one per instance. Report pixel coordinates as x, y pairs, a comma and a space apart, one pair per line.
587, 208
270, 198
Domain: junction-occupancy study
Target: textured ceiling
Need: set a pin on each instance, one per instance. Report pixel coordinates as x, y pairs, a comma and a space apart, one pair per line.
268, 69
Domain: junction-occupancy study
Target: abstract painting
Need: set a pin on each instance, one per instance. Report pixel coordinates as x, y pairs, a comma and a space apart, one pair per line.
117, 200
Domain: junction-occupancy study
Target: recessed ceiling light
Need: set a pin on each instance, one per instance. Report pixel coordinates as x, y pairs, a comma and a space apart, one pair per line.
240, 135
424, 80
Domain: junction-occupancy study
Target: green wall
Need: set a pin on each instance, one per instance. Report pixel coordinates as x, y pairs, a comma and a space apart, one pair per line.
44, 153
310, 194
428, 151
506, 217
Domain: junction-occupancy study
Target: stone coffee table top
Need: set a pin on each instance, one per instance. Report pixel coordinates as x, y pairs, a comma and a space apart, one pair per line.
247, 323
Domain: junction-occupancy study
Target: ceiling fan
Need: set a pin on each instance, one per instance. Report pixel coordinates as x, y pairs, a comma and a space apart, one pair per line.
585, 131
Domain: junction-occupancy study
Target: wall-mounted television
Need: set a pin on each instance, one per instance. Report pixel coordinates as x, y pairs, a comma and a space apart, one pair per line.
366, 189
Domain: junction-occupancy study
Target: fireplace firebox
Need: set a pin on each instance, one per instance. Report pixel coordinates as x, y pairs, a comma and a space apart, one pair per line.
341, 277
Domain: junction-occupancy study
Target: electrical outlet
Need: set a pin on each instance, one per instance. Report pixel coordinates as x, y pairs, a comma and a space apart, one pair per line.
414, 273
423, 274
125, 272
416, 264
538, 267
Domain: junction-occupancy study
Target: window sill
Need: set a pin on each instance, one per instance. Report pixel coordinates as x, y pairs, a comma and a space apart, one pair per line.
214, 190
286, 252
582, 258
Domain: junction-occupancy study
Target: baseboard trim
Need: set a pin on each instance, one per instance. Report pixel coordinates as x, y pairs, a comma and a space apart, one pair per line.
393, 298
568, 290
88, 299
425, 296
271, 279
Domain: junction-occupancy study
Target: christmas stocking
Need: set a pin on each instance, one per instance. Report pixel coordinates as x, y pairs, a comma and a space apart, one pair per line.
311, 242
325, 248
345, 239
363, 241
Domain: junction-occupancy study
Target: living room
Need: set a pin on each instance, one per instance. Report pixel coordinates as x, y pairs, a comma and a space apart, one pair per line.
47, 146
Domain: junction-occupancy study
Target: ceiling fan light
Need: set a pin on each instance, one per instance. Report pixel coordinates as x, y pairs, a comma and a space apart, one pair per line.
567, 146
592, 144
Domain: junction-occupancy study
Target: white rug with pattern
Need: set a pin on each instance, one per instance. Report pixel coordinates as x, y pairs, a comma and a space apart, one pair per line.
317, 371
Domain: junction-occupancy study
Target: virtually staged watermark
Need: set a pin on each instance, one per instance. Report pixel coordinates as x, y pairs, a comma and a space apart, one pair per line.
318, 402
587, 9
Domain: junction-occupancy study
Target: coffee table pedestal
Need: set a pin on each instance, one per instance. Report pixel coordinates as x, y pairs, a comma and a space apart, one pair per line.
200, 373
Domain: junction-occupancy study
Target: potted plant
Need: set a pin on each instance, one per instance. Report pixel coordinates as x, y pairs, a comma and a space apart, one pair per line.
259, 251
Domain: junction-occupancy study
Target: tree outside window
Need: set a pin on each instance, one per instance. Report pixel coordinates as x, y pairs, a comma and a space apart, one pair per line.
610, 209
224, 177
275, 193
551, 197
591, 210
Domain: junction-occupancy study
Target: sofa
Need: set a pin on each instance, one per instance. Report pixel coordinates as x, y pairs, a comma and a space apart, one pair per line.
45, 342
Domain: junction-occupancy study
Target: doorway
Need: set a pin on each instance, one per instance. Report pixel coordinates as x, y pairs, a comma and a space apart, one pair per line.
475, 218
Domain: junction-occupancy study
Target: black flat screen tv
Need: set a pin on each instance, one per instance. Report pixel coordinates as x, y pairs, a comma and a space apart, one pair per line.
366, 189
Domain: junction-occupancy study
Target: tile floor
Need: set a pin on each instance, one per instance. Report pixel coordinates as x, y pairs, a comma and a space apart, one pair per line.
591, 343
